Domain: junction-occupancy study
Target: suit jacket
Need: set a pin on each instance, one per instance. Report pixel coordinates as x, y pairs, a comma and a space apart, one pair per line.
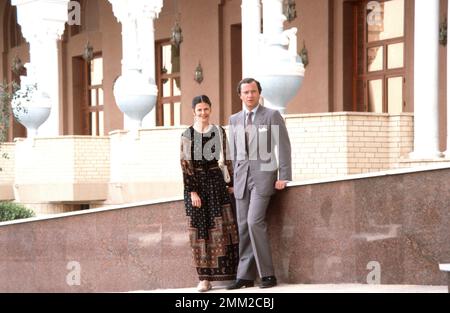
268, 138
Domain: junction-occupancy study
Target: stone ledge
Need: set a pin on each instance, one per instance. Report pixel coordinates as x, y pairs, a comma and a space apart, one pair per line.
60, 192
445, 267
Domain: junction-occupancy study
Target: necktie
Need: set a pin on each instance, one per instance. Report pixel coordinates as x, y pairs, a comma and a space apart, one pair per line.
248, 128
249, 119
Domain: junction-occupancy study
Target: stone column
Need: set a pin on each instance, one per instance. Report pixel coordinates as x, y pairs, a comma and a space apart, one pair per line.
251, 35
43, 23
426, 73
146, 43
138, 54
273, 21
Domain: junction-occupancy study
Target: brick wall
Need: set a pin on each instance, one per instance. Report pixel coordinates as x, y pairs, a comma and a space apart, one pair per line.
151, 155
61, 170
62, 159
332, 144
145, 165
6, 171
7, 163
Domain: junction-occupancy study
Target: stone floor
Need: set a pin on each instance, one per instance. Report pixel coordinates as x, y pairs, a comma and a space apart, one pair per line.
316, 288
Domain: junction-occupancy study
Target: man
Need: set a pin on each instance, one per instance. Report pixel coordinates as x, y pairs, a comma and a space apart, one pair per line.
254, 133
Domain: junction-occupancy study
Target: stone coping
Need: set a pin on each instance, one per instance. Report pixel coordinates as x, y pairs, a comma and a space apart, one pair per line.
291, 184
391, 172
345, 113
159, 128
19, 139
91, 211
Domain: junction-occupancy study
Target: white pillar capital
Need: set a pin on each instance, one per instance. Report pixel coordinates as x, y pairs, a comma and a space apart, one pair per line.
131, 10
132, 14
42, 19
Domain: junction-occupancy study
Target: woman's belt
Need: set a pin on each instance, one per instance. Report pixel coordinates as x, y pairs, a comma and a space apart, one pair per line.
206, 167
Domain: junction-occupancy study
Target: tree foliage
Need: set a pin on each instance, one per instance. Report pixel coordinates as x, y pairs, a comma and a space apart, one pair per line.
7, 92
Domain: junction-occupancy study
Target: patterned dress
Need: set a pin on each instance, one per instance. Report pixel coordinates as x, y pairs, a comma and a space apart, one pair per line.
212, 228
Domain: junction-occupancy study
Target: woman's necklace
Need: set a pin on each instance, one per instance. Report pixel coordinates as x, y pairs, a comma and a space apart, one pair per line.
201, 129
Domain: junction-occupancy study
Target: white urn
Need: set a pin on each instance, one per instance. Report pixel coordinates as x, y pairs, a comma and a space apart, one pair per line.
135, 95
281, 71
31, 108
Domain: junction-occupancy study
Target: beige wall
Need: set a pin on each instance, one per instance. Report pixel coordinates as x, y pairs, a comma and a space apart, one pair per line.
7, 161
201, 44
112, 56
61, 169
105, 36
145, 165
207, 34
335, 144
128, 167
312, 23
231, 15
8, 54
443, 83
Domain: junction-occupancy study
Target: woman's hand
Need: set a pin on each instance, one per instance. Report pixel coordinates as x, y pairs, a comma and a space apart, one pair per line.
230, 190
195, 199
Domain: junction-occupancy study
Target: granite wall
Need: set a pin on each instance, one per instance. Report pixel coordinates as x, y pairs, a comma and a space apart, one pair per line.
392, 229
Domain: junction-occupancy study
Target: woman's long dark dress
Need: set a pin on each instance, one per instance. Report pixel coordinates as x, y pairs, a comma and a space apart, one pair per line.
212, 228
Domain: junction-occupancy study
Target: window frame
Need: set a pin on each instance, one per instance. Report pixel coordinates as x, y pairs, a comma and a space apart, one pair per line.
385, 73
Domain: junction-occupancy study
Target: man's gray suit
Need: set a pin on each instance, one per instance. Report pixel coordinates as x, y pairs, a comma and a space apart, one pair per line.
255, 172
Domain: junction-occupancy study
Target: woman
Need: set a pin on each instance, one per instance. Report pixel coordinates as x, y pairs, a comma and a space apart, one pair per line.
212, 225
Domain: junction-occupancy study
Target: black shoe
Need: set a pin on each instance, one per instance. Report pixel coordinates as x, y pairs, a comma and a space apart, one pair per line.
239, 283
268, 281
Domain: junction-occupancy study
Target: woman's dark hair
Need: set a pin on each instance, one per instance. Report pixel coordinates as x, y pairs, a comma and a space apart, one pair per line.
248, 81
201, 99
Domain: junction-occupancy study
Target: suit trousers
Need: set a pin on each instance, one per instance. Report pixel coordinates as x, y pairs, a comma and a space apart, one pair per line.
254, 247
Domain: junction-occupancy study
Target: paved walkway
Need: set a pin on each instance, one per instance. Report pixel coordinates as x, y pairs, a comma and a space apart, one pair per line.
317, 288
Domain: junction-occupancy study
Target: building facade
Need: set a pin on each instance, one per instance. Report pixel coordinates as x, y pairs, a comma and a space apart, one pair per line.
373, 95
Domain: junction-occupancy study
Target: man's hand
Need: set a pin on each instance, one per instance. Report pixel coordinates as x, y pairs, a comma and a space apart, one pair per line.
230, 190
280, 184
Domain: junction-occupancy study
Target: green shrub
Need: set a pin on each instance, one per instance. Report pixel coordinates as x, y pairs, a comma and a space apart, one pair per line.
12, 211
